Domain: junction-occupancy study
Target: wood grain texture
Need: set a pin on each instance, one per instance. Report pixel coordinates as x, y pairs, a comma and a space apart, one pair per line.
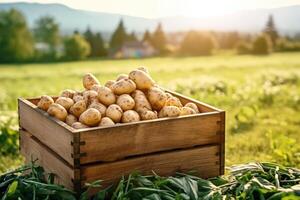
203, 161
109, 144
31, 148
50, 131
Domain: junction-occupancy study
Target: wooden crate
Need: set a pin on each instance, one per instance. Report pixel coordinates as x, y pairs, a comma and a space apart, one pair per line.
166, 145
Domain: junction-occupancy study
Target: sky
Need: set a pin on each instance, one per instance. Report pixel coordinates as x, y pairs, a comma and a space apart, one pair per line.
163, 8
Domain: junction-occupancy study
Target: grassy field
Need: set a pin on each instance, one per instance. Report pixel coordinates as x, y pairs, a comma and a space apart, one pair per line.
261, 95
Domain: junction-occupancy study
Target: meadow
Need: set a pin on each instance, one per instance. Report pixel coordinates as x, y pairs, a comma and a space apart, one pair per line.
261, 96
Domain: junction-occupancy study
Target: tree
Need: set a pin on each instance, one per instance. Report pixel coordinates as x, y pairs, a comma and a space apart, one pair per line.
118, 37
159, 40
47, 30
147, 36
16, 43
76, 47
96, 43
262, 45
132, 37
271, 30
195, 44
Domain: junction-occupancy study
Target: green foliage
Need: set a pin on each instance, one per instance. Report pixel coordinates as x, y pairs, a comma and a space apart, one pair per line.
76, 48
196, 44
118, 37
283, 45
96, 43
9, 136
243, 48
16, 43
248, 181
262, 45
132, 37
159, 40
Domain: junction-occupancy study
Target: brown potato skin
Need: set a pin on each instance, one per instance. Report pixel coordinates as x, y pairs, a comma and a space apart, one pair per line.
106, 96
122, 76
148, 115
99, 106
142, 80
157, 98
114, 112
89, 80
130, 116
67, 93
169, 111
89, 96
106, 121
71, 119
90, 117
193, 106
66, 102
187, 111
78, 108
79, 125
173, 101
126, 102
123, 86
45, 102
57, 111
109, 83
141, 102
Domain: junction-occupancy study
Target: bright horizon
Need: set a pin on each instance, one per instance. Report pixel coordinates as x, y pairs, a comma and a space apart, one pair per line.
164, 8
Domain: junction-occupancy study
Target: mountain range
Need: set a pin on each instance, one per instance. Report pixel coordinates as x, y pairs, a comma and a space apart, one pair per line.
287, 19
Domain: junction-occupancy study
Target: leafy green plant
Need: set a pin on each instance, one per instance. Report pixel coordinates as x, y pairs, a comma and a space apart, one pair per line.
8, 136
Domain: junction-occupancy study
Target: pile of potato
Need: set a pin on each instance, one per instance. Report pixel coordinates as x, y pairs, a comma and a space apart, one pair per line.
129, 98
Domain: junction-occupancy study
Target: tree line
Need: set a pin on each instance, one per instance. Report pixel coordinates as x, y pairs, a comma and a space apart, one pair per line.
45, 43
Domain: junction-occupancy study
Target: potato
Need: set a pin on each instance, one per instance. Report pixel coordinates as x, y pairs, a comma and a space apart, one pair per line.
106, 96
77, 98
89, 80
78, 108
96, 88
45, 102
130, 116
142, 80
141, 102
169, 111
148, 115
187, 111
89, 96
71, 119
90, 117
157, 98
123, 86
193, 106
99, 106
66, 102
67, 93
144, 69
169, 95
173, 101
126, 102
114, 112
122, 76
106, 121
79, 125
57, 111
109, 83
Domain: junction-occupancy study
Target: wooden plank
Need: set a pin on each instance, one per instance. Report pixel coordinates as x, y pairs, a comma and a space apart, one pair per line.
222, 143
31, 148
50, 131
202, 160
109, 144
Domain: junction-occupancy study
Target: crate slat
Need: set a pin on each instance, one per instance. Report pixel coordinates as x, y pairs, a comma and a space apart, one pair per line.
47, 129
32, 149
204, 161
114, 143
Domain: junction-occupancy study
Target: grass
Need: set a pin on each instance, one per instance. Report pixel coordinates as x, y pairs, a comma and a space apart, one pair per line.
261, 95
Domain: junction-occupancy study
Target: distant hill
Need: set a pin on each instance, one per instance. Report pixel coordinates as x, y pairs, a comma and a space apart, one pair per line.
287, 19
